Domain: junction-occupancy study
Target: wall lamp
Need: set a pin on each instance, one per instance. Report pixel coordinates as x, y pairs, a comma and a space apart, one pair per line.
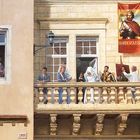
50, 38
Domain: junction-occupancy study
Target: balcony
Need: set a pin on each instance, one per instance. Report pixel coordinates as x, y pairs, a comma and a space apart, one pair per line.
112, 115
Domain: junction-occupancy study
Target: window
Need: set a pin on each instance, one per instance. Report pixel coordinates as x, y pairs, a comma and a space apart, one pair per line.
2, 53
5, 54
86, 53
56, 55
86, 45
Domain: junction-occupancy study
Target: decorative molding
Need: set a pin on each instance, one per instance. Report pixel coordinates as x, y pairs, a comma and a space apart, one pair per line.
76, 124
73, 20
122, 124
74, 23
53, 124
99, 124
56, 2
13, 119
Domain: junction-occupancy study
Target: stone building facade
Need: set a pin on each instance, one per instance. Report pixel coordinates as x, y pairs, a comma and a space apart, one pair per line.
85, 30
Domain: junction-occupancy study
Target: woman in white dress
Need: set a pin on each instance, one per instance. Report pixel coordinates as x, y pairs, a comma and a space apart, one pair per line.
90, 76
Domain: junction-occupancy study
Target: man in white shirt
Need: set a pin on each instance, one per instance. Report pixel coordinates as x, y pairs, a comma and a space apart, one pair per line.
132, 77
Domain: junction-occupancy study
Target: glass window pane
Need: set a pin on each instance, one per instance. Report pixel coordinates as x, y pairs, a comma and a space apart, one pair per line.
93, 50
50, 68
56, 51
79, 50
56, 61
2, 38
63, 60
56, 44
63, 44
93, 43
2, 61
86, 43
78, 44
63, 51
56, 69
86, 50
49, 61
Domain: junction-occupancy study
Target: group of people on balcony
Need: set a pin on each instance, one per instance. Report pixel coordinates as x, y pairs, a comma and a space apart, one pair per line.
89, 76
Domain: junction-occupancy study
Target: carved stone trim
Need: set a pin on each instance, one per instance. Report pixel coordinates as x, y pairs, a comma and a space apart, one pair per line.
76, 124
122, 124
53, 124
13, 119
99, 124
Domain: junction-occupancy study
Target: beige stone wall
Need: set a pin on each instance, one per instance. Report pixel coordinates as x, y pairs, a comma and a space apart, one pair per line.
52, 16
16, 98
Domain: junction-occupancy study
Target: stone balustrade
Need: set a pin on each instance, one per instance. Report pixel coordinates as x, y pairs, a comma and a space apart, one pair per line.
104, 93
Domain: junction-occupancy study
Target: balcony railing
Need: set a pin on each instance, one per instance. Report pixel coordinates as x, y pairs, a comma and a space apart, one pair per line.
114, 103
105, 95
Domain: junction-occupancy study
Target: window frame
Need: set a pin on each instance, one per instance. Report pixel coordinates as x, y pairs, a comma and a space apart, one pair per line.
7, 78
59, 40
84, 39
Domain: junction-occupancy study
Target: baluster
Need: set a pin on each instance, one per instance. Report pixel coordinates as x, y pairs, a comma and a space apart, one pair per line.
112, 98
80, 95
121, 98
64, 95
72, 95
105, 95
137, 93
88, 94
56, 95
49, 97
129, 95
41, 97
96, 95
36, 97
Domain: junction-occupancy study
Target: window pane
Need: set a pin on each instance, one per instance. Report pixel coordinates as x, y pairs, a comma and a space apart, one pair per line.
86, 50
56, 61
63, 44
56, 44
93, 43
86, 43
2, 38
79, 50
56, 51
63, 51
49, 61
2, 61
93, 50
63, 60
78, 44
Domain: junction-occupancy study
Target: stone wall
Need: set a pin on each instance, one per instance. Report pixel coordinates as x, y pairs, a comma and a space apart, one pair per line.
83, 18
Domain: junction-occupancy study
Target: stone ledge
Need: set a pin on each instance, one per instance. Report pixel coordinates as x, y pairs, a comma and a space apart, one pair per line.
88, 108
126, 137
13, 119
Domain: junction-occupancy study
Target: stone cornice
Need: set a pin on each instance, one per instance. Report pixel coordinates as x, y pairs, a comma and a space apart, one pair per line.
52, 2
74, 20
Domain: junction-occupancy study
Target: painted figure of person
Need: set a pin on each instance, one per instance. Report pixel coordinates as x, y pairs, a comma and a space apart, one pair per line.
132, 77
44, 77
129, 29
90, 76
63, 76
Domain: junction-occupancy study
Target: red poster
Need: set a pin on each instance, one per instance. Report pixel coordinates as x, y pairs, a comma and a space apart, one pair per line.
129, 28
